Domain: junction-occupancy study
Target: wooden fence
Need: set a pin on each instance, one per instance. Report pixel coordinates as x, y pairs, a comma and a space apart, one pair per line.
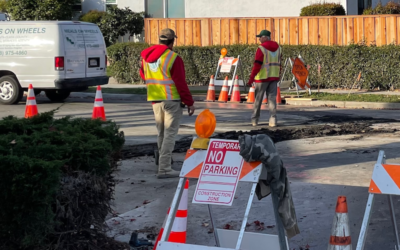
339, 30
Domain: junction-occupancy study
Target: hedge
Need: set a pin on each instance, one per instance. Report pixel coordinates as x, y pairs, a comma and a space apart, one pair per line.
390, 8
340, 65
323, 9
55, 181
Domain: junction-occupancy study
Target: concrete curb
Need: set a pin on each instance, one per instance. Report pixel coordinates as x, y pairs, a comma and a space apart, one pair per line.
342, 104
289, 101
125, 97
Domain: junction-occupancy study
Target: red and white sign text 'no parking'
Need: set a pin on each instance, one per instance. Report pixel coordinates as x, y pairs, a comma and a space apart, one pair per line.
220, 173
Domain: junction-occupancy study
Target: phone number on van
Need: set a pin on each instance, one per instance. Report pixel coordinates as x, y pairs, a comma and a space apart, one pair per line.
14, 53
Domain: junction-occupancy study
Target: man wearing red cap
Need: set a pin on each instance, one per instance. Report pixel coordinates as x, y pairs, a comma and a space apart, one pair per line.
164, 73
266, 75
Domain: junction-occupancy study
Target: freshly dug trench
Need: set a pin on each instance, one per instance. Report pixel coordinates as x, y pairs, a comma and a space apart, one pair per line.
341, 126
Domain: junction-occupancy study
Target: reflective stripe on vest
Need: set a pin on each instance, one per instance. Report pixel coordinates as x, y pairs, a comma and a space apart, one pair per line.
271, 65
160, 86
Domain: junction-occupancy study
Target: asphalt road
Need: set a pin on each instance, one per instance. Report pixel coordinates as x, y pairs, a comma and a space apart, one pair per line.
319, 169
137, 121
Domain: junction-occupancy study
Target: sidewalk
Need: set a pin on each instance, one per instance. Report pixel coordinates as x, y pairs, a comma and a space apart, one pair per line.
113, 84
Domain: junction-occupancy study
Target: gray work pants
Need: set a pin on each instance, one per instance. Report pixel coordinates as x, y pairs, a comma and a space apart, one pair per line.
270, 89
168, 116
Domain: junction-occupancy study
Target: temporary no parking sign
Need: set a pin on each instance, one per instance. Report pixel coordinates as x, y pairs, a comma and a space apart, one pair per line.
220, 173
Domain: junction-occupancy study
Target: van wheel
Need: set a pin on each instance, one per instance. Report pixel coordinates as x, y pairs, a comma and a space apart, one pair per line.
10, 91
57, 95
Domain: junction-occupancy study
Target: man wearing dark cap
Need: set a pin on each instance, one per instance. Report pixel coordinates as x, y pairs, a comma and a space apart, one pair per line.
266, 74
164, 73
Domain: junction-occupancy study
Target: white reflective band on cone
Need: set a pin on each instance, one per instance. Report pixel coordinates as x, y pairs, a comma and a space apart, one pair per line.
340, 225
180, 225
211, 88
31, 93
98, 104
183, 205
99, 94
30, 102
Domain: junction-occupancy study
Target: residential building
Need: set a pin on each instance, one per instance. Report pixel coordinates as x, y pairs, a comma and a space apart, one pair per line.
84, 6
232, 8
218, 8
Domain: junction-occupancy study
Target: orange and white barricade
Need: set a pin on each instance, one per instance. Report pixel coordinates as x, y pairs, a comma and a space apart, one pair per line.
385, 180
225, 154
225, 65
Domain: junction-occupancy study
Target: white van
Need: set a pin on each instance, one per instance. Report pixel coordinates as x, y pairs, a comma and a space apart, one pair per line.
57, 57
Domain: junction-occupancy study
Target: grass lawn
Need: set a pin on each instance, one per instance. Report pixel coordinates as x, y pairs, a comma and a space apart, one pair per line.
354, 97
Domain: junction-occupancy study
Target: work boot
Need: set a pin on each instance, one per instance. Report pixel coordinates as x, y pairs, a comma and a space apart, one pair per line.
272, 122
169, 174
254, 123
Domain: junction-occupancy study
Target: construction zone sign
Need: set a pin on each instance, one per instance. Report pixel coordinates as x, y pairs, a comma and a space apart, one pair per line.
300, 71
220, 174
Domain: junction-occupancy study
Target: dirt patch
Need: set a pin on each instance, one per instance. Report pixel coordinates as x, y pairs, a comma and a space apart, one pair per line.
324, 126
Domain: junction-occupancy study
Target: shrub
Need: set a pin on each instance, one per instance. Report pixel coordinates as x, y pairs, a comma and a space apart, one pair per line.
28, 187
323, 9
93, 16
3, 6
390, 8
119, 22
55, 179
340, 64
40, 9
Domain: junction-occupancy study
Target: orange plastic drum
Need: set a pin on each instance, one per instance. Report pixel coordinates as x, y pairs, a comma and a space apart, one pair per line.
205, 124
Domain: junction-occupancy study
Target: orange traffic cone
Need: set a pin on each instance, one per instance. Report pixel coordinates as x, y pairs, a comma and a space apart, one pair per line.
236, 91
178, 231
211, 91
223, 95
265, 100
31, 106
278, 95
98, 110
251, 97
340, 237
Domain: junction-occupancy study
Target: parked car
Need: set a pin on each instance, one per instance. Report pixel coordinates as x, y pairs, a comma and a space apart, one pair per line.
4, 17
